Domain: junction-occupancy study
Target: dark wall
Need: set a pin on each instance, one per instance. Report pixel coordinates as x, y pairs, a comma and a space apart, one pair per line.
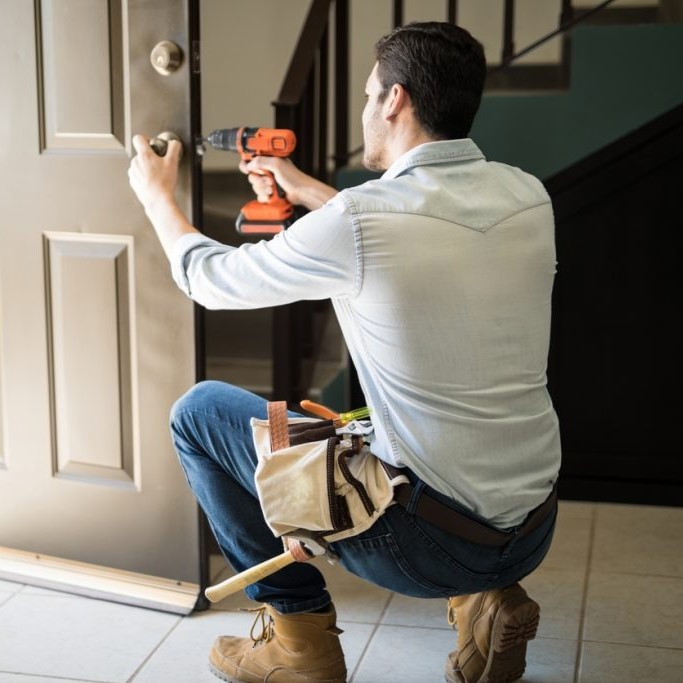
615, 361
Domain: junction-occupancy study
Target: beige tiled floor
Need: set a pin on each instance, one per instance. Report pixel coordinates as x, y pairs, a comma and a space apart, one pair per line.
611, 595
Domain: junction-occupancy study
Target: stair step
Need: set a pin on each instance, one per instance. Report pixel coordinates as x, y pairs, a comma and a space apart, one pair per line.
224, 194
256, 374
648, 14
239, 333
528, 78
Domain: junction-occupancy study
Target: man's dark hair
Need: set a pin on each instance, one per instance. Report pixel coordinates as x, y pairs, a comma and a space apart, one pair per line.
442, 67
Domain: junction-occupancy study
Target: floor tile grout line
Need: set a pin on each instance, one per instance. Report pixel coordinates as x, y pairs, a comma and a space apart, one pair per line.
154, 650
411, 626
10, 597
648, 575
376, 626
53, 677
640, 645
584, 599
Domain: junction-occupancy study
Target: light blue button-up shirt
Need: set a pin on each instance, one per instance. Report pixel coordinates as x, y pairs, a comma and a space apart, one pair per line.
441, 275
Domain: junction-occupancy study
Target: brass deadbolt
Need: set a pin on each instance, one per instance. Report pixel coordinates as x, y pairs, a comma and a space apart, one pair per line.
166, 57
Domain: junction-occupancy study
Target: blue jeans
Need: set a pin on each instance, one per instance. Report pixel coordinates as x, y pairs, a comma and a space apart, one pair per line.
401, 552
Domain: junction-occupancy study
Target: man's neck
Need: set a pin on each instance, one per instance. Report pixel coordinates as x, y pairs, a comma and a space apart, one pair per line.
405, 139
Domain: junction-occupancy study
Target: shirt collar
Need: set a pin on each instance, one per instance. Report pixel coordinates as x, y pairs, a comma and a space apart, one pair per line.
429, 153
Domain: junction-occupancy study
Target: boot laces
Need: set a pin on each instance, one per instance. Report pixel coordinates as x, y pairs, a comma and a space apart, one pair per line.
264, 622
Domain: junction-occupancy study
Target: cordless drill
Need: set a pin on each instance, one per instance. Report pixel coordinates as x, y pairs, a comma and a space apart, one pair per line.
277, 213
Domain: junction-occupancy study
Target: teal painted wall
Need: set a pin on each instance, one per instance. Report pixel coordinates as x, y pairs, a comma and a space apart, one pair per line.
621, 77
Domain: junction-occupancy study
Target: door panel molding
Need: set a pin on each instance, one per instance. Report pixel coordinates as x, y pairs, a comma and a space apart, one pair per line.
90, 321
82, 89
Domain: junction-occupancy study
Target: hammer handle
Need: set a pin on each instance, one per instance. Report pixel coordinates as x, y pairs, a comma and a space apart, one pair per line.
248, 576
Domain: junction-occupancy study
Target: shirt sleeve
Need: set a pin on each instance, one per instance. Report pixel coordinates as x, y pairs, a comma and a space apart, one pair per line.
314, 259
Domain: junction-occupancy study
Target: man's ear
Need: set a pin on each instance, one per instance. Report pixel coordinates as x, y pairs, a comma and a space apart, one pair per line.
396, 100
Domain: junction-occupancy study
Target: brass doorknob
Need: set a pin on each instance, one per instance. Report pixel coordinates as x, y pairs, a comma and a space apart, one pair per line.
159, 143
166, 57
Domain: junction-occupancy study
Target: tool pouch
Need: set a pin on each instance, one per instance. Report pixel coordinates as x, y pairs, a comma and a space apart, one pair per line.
310, 478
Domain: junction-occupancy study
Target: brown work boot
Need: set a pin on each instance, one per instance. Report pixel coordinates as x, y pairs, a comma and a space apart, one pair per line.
493, 630
292, 648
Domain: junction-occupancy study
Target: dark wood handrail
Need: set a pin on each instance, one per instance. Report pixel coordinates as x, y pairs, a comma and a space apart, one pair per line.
567, 20
301, 105
508, 30
303, 59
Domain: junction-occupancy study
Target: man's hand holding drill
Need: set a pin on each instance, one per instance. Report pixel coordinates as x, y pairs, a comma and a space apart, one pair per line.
300, 188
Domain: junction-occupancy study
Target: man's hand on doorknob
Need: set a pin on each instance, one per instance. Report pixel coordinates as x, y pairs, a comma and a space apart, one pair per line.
152, 177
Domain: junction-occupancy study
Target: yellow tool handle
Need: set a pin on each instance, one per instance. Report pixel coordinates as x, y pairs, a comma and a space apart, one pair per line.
248, 576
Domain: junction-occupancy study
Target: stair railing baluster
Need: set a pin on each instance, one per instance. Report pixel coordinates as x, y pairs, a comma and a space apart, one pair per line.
452, 11
398, 13
508, 31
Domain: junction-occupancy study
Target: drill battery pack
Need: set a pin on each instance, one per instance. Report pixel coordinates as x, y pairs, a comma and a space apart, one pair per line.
257, 218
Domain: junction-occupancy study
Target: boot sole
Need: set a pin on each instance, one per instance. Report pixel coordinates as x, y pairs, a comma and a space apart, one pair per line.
230, 679
221, 674
514, 626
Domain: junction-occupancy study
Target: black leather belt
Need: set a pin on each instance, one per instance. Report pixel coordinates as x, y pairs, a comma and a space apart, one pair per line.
454, 522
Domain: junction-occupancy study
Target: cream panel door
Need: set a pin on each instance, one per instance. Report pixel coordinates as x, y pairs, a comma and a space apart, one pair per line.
96, 342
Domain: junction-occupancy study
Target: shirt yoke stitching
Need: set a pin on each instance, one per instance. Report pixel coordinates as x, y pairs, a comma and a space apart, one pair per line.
355, 216
517, 213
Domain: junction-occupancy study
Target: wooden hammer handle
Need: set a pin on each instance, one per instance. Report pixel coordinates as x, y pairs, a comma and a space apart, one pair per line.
248, 576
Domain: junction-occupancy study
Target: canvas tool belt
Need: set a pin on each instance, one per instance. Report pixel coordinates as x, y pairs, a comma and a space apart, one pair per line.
312, 478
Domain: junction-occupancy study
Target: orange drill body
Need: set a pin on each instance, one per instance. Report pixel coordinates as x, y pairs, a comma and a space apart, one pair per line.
277, 213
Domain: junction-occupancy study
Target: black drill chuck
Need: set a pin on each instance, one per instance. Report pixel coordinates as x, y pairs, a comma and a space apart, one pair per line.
226, 139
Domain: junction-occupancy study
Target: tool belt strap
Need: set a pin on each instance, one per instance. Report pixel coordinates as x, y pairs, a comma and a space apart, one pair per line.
277, 418
454, 522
